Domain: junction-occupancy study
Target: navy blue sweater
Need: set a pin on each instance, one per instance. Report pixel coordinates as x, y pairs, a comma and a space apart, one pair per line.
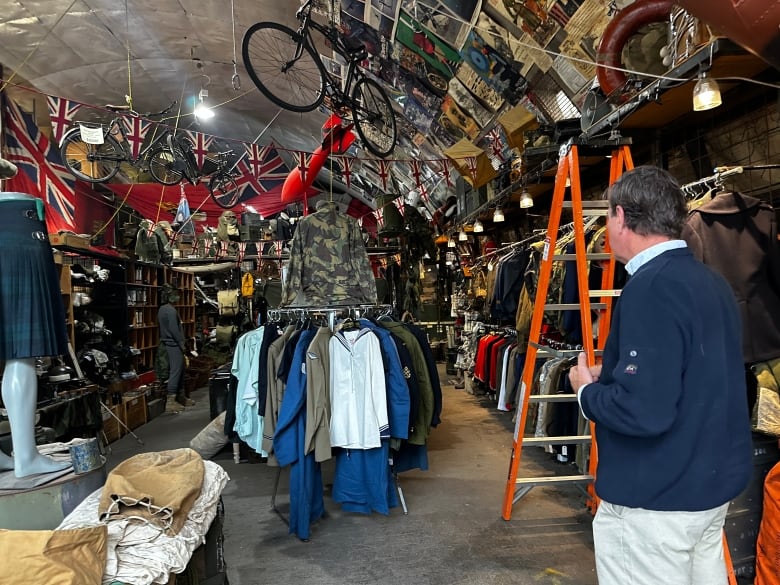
670, 407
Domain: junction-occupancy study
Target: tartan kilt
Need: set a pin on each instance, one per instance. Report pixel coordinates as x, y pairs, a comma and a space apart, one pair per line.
32, 313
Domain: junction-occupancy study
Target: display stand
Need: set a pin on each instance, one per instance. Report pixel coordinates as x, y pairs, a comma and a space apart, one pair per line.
331, 314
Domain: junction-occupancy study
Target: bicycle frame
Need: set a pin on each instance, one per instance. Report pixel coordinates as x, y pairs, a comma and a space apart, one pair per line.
117, 127
332, 35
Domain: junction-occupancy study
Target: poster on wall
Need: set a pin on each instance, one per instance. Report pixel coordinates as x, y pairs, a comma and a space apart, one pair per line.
453, 117
382, 15
450, 20
427, 45
530, 16
495, 70
468, 102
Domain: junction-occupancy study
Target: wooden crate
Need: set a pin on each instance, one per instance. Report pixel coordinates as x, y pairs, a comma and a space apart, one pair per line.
134, 408
111, 427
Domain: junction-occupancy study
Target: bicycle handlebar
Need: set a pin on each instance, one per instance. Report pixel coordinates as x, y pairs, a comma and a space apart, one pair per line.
135, 114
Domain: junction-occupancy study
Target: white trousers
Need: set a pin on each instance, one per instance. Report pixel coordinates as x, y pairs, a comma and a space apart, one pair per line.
644, 547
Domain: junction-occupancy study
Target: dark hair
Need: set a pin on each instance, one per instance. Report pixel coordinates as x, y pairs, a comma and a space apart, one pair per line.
652, 201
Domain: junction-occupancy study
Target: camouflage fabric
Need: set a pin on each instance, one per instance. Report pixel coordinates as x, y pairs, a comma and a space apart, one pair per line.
328, 262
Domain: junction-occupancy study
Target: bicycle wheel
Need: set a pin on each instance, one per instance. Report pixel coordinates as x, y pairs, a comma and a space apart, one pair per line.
224, 190
95, 163
268, 51
163, 166
373, 116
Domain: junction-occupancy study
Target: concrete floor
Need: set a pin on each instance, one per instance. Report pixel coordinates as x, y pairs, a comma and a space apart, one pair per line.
453, 534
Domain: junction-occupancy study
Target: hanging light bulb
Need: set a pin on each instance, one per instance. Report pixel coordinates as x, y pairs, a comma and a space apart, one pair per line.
451, 242
478, 228
706, 93
526, 200
202, 111
498, 215
463, 236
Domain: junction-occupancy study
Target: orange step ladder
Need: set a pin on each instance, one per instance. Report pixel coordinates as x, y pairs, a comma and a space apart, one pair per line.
568, 173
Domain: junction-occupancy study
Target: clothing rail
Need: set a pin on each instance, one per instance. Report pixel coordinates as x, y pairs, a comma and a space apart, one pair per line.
717, 178
332, 312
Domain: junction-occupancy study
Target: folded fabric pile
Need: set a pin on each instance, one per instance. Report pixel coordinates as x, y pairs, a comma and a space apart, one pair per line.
141, 549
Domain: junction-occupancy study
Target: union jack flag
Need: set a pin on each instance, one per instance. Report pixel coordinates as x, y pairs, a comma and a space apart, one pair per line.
29, 149
496, 142
346, 164
303, 165
384, 172
399, 204
200, 145
135, 129
266, 164
248, 184
472, 165
443, 167
61, 112
379, 214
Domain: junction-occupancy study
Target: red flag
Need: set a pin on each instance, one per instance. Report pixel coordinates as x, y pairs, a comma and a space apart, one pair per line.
29, 149
61, 112
200, 145
136, 129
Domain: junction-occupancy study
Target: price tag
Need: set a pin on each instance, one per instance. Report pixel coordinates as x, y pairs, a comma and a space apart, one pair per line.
91, 135
546, 251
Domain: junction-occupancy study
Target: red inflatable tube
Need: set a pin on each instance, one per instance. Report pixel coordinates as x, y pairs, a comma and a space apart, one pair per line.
337, 140
627, 22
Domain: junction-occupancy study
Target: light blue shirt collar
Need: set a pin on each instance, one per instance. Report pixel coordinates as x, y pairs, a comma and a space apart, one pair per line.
648, 254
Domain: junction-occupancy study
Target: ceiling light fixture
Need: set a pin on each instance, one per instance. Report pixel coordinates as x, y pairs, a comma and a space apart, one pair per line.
451, 242
706, 93
463, 236
478, 229
526, 200
202, 111
498, 215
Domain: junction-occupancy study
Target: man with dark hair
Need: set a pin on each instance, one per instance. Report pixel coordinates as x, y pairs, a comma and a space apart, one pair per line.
173, 342
668, 401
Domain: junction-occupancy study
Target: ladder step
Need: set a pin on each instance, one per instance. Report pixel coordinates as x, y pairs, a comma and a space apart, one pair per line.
571, 306
558, 352
552, 398
553, 479
605, 292
591, 256
571, 440
592, 204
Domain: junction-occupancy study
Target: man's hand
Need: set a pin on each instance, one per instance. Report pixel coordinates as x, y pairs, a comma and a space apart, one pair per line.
582, 374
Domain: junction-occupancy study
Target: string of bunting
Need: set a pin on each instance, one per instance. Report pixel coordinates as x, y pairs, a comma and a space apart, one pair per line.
62, 112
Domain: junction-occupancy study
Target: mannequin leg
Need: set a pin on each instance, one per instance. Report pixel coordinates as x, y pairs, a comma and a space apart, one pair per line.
19, 397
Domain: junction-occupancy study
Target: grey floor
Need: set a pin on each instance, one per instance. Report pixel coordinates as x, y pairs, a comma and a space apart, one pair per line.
452, 535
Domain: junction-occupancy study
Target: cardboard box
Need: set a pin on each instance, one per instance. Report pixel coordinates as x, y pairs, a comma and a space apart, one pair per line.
134, 411
69, 240
111, 427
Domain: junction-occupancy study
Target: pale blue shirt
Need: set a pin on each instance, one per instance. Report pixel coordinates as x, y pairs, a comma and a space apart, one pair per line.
635, 264
649, 253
